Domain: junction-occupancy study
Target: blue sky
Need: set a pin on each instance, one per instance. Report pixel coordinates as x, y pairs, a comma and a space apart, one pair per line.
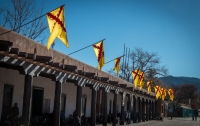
169, 27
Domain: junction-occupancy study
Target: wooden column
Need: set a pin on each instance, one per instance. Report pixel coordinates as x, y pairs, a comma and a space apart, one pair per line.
93, 108
129, 105
155, 108
122, 116
57, 103
105, 116
27, 100
134, 109
122, 110
150, 110
152, 106
139, 110
152, 103
78, 100
158, 107
102, 101
114, 109
98, 102
147, 110
143, 110
131, 110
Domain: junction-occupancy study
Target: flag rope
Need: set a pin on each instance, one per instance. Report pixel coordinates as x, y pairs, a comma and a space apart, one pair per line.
114, 59
82, 49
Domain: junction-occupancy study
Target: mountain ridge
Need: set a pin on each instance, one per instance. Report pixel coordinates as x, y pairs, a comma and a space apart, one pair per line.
171, 80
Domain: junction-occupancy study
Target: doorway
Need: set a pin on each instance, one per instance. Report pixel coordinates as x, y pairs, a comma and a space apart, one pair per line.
37, 101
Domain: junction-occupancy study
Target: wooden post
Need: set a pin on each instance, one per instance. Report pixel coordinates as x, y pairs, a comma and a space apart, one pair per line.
156, 108
139, 108
122, 116
143, 110
93, 107
122, 110
153, 110
78, 100
129, 105
147, 110
57, 103
27, 100
114, 109
134, 109
150, 110
105, 116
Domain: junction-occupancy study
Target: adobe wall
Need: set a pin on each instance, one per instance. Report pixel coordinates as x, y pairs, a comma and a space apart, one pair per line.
12, 77
28, 45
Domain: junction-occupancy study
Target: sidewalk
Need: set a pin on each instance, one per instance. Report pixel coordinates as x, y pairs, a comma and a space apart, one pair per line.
167, 122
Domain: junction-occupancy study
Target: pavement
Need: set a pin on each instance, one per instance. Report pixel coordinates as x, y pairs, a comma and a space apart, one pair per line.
167, 122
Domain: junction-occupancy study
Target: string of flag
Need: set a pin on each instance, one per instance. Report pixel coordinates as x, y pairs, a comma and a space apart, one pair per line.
57, 28
138, 80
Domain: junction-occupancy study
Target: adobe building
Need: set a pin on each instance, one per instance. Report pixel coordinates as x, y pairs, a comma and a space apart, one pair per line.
40, 82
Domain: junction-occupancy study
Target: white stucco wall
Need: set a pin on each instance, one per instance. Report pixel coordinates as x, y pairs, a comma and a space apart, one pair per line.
12, 77
119, 101
70, 90
49, 89
110, 98
88, 93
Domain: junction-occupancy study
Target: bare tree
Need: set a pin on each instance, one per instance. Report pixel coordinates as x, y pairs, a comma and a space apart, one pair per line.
147, 62
18, 13
184, 92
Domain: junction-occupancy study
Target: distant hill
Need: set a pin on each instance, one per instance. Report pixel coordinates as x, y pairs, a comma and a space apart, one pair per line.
170, 80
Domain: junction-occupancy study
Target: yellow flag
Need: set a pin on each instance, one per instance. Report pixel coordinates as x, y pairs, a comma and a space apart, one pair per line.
149, 86
136, 76
157, 91
99, 51
163, 93
117, 65
171, 94
141, 80
57, 26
